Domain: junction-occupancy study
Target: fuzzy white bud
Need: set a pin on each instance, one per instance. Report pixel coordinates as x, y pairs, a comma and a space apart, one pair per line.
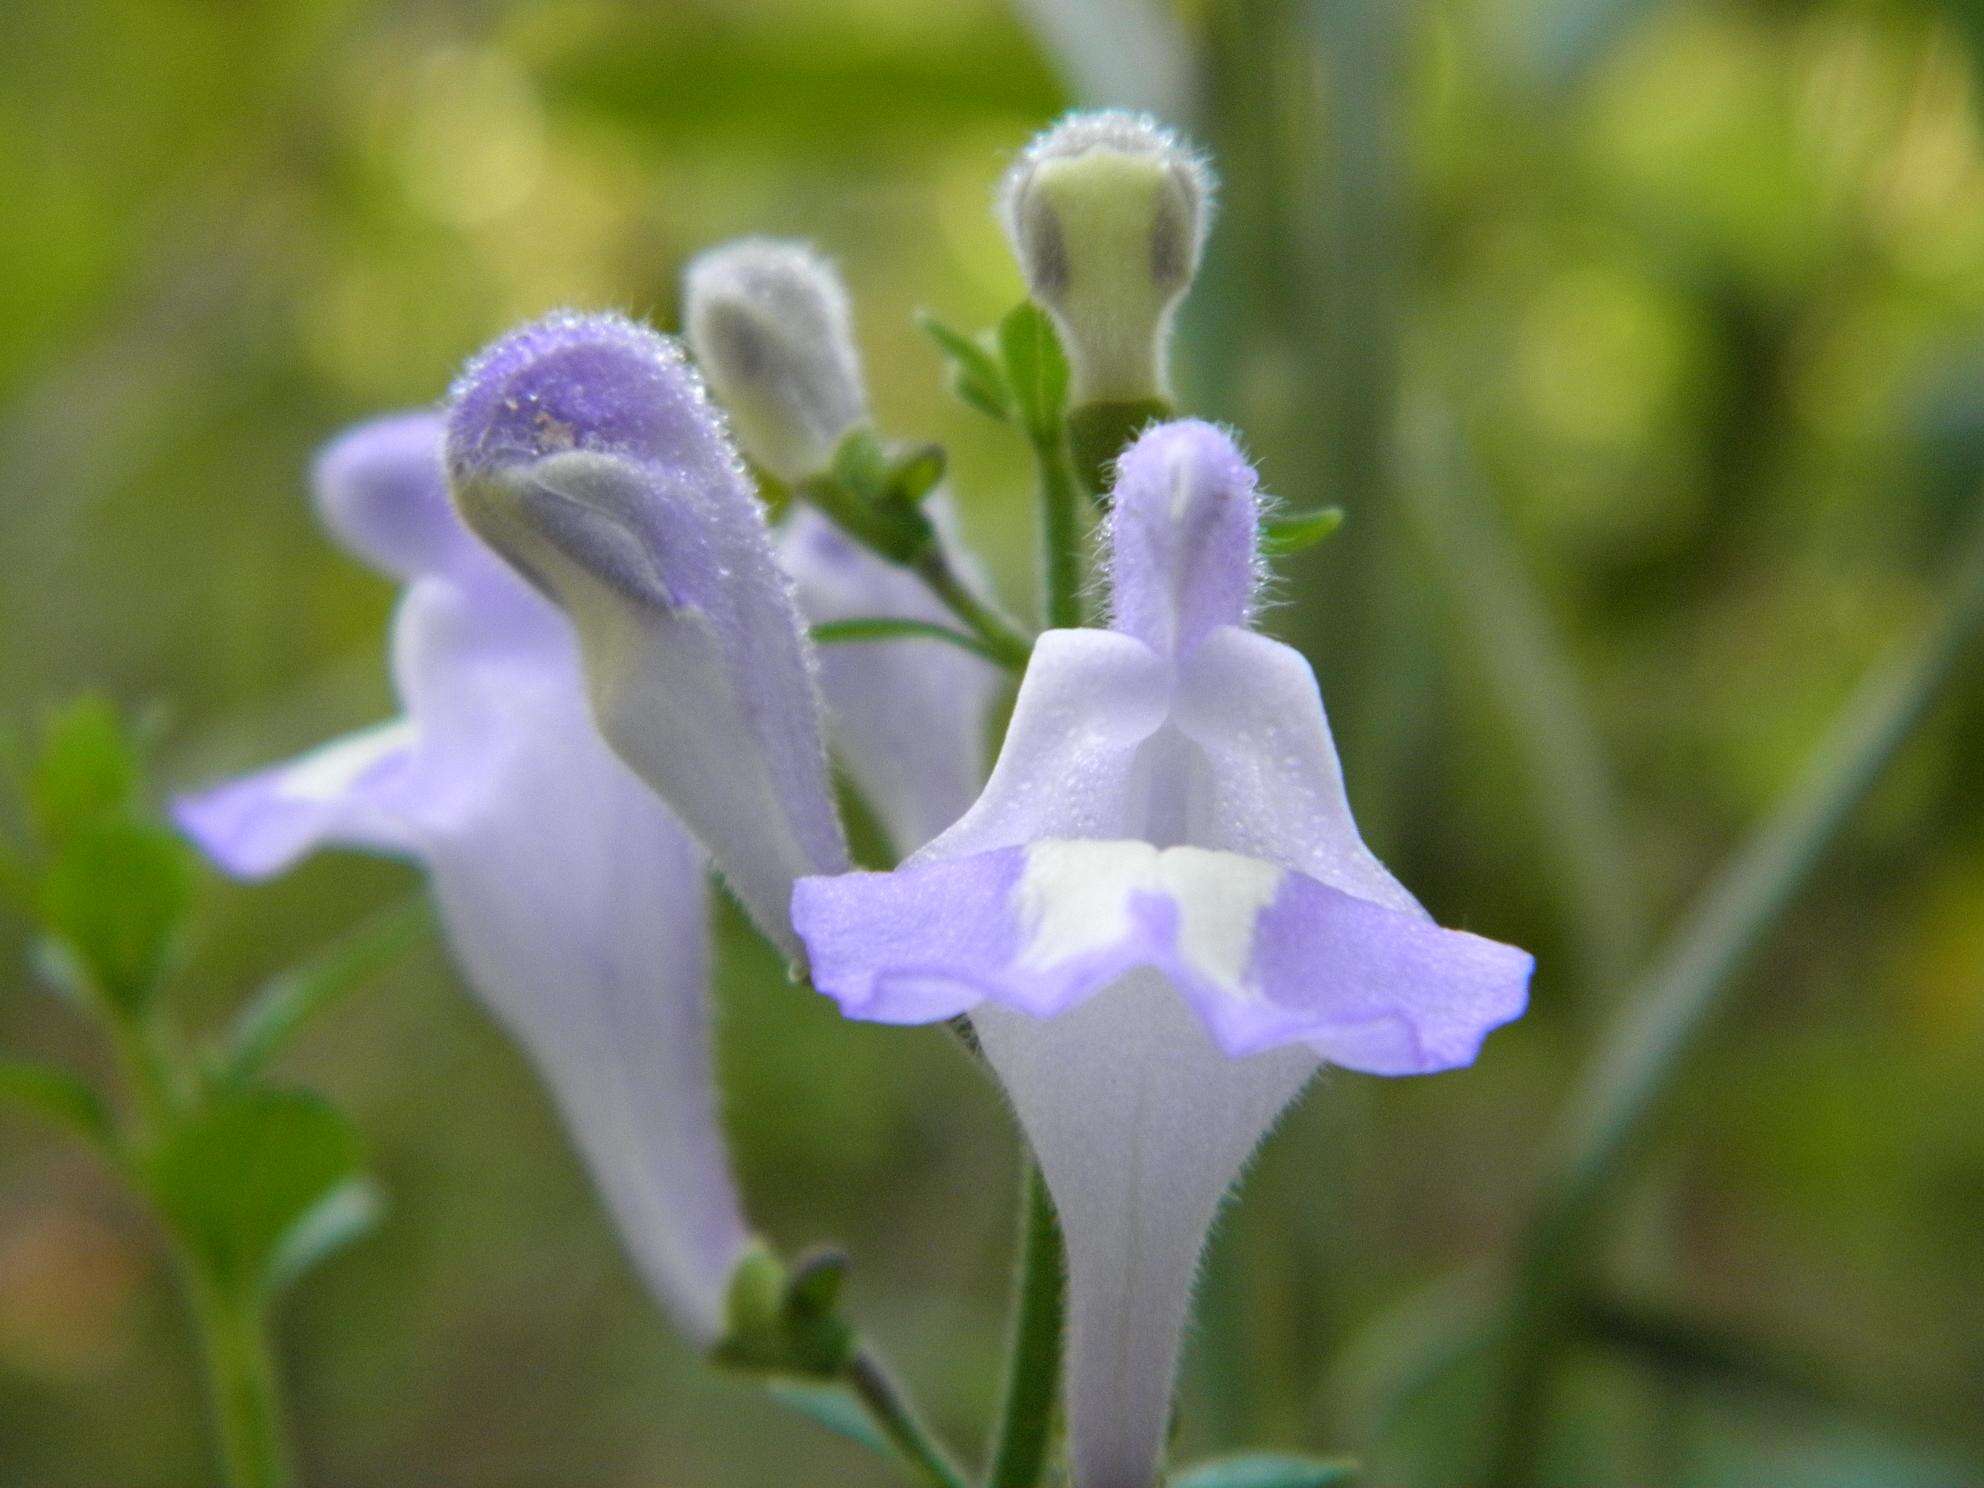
1108, 213
770, 326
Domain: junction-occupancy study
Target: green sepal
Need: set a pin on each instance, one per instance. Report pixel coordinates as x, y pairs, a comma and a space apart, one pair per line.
833, 1407
1265, 1470
118, 894
873, 493
246, 1179
86, 770
785, 1323
976, 377
1037, 370
1294, 532
1099, 432
56, 1096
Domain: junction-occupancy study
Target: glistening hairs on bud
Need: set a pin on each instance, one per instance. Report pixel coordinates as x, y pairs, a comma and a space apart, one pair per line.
1107, 213
769, 324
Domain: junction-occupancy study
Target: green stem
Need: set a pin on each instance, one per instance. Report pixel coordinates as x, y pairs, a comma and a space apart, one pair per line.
882, 628
1629, 1083
1033, 1360
242, 1381
1061, 530
888, 1407
1003, 643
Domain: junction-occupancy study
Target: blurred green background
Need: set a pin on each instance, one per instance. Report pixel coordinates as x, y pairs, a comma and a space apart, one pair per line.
1643, 341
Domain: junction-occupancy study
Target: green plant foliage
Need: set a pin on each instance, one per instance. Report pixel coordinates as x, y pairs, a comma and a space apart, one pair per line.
86, 770
1036, 369
245, 1183
117, 895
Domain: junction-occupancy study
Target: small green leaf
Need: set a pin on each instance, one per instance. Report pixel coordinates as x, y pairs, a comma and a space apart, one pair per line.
246, 1173
814, 1287
1265, 1470
1036, 368
118, 894
975, 374
346, 1214
1292, 532
861, 464
86, 770
830, 1406
55, 1095
914, 471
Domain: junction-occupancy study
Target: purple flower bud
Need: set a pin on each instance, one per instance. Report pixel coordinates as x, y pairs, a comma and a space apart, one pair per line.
584, 450
770, 326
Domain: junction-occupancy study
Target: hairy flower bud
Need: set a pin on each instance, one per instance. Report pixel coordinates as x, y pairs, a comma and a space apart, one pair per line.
585, 451
769, 324
1107, 213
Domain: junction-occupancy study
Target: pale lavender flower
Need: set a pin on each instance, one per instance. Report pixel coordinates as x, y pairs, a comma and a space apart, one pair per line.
584, 449
575, 902
1161, 919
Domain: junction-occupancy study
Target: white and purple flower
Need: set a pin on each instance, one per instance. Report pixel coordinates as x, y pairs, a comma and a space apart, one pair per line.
574, 900
1162, 920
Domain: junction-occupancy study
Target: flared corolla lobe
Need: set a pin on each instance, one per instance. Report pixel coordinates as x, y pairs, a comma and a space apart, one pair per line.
1161, 918
574, 901
770, 326
1107, 213
585, 451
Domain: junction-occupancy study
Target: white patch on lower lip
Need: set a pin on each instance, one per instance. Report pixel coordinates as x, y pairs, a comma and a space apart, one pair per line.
1073, 899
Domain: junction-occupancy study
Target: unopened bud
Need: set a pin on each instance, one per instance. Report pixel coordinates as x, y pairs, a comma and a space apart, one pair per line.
770, 326
1107, 212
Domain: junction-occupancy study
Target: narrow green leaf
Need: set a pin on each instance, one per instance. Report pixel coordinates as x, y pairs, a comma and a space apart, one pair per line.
1265, 1470
348, 1213
119, 894
239, 1177
86, 770
286, 1002
55, 1095
975, 374
830, 1406
1036, 368
883, 628
1293, 532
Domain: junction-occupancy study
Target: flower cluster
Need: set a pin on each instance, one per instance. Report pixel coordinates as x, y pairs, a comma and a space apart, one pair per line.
619, 670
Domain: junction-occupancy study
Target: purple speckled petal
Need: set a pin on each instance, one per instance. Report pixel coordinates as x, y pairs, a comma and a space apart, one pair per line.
1182, 531
908, 717
584, 449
